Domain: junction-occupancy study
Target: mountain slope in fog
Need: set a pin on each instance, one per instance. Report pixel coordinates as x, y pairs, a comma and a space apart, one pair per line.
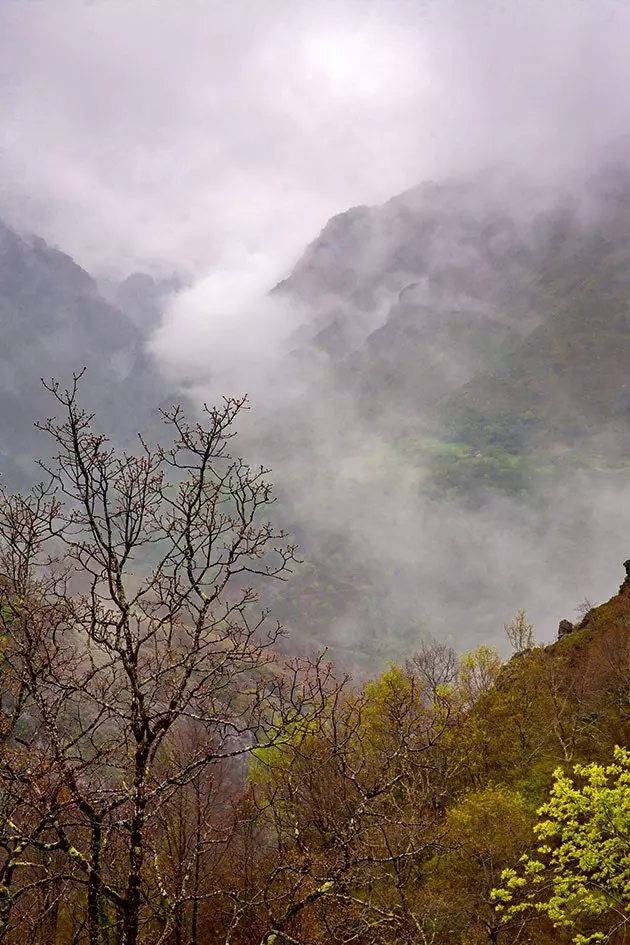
55, 322
442, 273
462, 448
456, 304
571, 376
462, 354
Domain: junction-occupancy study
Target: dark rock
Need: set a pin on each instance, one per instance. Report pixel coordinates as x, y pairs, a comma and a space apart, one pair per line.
565, 627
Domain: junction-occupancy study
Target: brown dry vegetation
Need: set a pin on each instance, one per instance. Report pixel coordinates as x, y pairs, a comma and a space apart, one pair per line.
166, 778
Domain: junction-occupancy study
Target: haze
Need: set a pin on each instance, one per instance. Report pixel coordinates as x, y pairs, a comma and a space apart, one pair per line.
195, 135
215, 140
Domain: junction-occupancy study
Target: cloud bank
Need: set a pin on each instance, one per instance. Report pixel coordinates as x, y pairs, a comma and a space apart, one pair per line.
153, 134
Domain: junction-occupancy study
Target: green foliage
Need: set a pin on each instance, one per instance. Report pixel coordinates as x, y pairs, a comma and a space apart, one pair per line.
478, 673
469, 471
280, 741
491, 822
580, 877
510, 430
519, 632
486, 830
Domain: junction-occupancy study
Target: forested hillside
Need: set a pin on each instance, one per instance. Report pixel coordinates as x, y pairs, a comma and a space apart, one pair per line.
463, 414
168, 777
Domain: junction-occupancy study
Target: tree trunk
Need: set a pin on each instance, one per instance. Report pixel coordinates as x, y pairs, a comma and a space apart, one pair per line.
195, 902
131, 907
95, 915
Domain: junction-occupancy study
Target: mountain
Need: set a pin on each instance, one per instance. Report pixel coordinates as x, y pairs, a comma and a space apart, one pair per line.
453, 247
465, 356
141, 297
571, 372
54, 322
460, 301
449, 428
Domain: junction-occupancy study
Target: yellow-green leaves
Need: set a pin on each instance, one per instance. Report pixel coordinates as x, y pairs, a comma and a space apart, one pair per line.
478, 673
519, 632
581, 875
491, 823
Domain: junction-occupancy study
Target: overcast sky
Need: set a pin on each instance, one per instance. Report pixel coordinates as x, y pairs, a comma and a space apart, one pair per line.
148, 133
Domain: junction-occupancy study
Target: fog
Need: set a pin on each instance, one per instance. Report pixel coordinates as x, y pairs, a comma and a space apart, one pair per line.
157, 134
215, 140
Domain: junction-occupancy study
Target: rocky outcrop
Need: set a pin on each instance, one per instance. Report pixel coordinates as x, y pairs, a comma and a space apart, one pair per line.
564, 628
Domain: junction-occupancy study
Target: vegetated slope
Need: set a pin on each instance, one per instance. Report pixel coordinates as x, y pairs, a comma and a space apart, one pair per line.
559, 403
471, 348
569, 697
547, 708
571, 375
54, 322
462, 752
457, 292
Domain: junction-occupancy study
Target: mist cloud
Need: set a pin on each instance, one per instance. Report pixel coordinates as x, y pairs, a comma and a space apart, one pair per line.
224, 334
217, 138
153, 134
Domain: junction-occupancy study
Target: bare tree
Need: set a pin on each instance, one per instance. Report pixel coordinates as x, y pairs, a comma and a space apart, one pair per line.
142, 582
32, 788
520, 633
348, 798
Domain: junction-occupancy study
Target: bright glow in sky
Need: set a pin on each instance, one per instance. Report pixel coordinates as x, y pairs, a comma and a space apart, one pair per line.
154, 134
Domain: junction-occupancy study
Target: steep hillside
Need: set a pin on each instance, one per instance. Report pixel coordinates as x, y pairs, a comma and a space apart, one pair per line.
54, 322
453, 247
558, 402
572, 372
467, 412
483, 296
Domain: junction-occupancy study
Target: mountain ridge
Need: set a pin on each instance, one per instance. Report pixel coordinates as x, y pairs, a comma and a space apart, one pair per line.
54, 323
442, 336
